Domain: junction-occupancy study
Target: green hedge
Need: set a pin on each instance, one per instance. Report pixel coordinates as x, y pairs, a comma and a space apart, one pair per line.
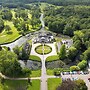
52, 58
34, 58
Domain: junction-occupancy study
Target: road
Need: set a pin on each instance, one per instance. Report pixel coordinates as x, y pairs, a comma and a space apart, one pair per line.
23, 39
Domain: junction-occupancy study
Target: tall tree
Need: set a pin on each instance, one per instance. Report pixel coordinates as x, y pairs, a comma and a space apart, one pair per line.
62, 54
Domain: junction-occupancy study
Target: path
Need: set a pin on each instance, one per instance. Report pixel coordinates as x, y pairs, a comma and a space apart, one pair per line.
23, 39
43, 75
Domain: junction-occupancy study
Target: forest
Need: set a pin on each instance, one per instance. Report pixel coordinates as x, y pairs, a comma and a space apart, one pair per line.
15, 3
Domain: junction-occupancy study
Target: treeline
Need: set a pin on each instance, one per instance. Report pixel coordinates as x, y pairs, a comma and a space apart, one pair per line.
67, 19
69, 2
55, 2
23, 19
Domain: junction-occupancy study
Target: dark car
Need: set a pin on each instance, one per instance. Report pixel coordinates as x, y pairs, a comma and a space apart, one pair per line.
89, 79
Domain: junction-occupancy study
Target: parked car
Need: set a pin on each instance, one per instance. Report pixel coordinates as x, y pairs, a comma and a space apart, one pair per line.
86, 72
89, 79
74, 72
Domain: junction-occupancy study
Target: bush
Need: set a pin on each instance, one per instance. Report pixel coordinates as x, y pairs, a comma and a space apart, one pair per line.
57, 72
26, 71
82, 64
35, 58
74, 68
52, 58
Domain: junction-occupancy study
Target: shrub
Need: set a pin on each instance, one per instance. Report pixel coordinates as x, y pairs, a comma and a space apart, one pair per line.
57, 72
82, 64
26, 71
74, 68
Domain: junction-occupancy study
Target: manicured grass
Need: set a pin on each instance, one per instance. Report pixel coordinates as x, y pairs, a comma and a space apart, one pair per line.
53, 83
20, 85
34, 58
39, 49
36, 73
5, 38
52, 58
50, 72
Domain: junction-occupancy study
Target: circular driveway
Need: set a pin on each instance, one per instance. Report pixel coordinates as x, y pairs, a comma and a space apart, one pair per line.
52, 45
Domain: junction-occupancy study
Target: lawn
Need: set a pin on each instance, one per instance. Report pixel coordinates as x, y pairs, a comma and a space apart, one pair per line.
39, 49
20, 85
53, 83
52, 58
36, 73
50, 72
5, 38
34, 58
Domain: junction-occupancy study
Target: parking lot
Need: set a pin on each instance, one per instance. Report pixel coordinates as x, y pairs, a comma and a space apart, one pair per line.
77, 75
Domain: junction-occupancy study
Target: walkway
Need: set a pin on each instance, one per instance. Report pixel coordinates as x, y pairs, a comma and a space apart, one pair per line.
43, 75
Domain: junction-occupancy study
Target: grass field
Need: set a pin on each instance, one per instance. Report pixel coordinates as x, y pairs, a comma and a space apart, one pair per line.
20, 85
34, 58
5, 38
52, 58
50, 72
53, 83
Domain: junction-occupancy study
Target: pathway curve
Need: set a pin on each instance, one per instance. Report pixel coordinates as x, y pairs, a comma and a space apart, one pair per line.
23, 39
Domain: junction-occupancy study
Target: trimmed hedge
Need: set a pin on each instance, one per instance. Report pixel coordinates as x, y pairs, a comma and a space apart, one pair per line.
34, 58
52, 58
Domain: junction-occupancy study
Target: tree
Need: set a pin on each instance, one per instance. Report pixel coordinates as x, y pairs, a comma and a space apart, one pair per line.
86, 54
81, 85
9, 64
6, 14
7, 28
68, 30
62, 54
77, 44
16, 50
72, 52
26, 71
82, 64
1, 25
67, 85
72, 85
24, 55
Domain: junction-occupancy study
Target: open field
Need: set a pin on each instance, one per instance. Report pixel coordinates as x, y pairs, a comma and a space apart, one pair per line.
5, 38
20, 85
